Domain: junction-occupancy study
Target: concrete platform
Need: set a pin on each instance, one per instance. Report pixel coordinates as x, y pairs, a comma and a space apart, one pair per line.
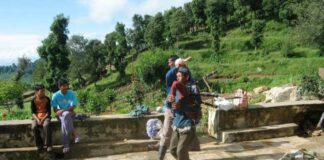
270, 149
264, 132
260, 118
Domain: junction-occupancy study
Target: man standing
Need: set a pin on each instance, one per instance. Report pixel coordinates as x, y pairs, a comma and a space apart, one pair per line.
41, 112
168, 116
186, 116
64, 101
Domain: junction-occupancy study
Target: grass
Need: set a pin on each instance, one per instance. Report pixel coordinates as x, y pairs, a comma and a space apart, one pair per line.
16, 113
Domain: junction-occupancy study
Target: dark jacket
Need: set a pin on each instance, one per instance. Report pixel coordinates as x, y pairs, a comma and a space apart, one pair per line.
48, 106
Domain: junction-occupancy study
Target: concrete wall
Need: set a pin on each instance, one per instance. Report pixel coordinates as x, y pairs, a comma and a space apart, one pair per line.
95, 129
258, 115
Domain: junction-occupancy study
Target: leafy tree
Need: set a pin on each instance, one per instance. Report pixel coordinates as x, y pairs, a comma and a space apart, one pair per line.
154, 31
137, 34
169, 37
271, 8
110, 45
198, 9
257, 33
23, 63
217, 11
179, 23
287, 12
311, 22
189, 14
95, 56
9, 91
79, 62
121, 49
39, 70
255, 6
240, 15
117, 49
55, 52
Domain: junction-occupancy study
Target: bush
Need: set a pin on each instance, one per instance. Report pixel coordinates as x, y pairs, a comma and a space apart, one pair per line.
152, 66
287, 49
109, 95
311, 85
92, 101
194, 44
95, 104
9, 92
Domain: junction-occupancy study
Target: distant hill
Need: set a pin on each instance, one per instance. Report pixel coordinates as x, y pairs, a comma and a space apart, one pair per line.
8, 72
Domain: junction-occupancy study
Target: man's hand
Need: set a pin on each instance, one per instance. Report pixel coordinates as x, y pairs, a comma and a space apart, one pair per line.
171, 99
59, 113
175, 106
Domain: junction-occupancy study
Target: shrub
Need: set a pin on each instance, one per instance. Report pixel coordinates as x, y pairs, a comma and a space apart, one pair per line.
194, 44
109, 95
287, 49
310, 85
9, 92
92, 101
152, 66
95, 104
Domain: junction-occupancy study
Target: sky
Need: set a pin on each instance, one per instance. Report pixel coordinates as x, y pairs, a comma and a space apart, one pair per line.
25, 23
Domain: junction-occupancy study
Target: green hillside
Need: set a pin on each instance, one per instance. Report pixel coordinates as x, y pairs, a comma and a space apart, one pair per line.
238, 67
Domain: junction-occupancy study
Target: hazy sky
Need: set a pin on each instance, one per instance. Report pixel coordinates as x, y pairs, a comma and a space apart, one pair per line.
25, 23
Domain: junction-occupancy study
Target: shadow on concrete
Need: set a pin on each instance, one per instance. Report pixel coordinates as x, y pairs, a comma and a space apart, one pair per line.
246, 146
252, 157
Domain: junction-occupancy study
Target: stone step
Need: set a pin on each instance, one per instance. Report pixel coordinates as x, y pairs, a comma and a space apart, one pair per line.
264, 132
78, 151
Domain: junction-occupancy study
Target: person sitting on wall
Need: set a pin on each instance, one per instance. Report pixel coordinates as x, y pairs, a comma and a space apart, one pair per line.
41, 113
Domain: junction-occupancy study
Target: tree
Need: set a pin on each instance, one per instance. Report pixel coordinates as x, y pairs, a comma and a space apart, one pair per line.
255, 6
137, 34
217, 11
55, 52
110, 46
95, 57
198, 9
39, 70
257, 35
9, 91
179, 23
287, 12
240, 15
79, 62
121, 49
154, 31
271, 8
189, 14
310, 26
23, 63
117, 49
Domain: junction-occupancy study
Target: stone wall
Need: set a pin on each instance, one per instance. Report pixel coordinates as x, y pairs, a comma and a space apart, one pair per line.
258, 116
18, 133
